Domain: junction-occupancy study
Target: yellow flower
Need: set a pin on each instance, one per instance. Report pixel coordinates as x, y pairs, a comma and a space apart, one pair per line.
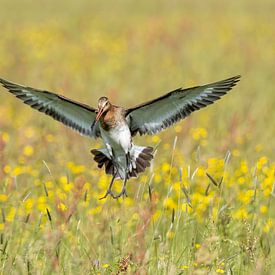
263, 209
62, 206
198, 133
244, 167
49, 184
268, 225
184, 267
105, 266
67, 187
156, 215
3, 197
155, 139
246, 196
128, 201
5, 137
28, 150
95, 210
11, 214
169, 203
261, 162
2, 226
221, 271
63, 180
197, 245
7, 169
17, 171
28, 204
240, 214
157, 178
165, 167
200, 172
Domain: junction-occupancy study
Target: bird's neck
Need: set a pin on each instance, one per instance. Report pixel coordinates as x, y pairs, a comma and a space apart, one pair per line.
109, 118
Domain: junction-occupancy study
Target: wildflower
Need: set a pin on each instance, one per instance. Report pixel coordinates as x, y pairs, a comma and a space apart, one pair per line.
184, 267
28, 150
95, 210
240, 214
28, 204
7, 169
3, 197
246, 196
169, 203
220, 271
157, 178
62, 206
267, 226
198, 133
155, 139
261, 162
197, 246
5, 137
63, 180
156, 215
18, 170
263, 209
165, 167
11, 214
244, 167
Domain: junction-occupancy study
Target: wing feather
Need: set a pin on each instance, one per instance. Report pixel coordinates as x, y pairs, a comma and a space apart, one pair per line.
77, 116
156, 115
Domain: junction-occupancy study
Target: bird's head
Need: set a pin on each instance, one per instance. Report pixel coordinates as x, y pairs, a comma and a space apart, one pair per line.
104, 105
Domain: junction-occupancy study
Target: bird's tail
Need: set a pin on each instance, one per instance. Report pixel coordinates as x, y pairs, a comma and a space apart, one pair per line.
139, 160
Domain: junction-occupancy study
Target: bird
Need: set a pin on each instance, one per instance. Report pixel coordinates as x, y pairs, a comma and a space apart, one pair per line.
117, 126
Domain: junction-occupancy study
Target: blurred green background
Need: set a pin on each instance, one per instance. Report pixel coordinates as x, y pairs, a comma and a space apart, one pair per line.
132, 51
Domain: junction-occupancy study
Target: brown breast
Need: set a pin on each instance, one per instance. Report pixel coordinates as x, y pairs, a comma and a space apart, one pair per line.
112, 117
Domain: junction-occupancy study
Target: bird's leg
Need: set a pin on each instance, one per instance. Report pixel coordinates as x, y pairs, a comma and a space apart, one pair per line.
123, 191
109, 191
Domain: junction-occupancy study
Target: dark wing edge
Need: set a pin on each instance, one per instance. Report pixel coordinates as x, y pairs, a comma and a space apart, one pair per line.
60, 108
191, 99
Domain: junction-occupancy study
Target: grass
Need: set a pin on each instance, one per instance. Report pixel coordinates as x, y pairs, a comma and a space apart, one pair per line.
206, 206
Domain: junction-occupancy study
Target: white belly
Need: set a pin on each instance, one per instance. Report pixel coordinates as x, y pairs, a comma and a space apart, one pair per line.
117, 139
118, 143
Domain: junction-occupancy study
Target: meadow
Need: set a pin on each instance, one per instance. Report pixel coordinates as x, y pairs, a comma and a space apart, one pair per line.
207, 204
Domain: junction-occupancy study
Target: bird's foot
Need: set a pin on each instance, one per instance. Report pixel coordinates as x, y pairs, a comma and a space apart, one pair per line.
123, 193
109, 192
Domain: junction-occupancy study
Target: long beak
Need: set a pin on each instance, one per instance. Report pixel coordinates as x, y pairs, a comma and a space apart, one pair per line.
99, 114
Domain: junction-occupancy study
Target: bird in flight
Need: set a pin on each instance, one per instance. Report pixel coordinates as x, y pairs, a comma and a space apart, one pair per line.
117, 126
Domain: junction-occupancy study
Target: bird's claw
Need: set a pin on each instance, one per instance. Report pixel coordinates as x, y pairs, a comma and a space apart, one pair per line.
109, 192
121, 194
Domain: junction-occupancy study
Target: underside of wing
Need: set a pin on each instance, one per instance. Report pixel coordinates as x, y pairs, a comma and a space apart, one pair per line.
75, 115
158, 114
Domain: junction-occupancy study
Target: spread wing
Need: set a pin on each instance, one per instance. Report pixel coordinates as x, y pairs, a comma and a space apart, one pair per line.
75, 115
158, 114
